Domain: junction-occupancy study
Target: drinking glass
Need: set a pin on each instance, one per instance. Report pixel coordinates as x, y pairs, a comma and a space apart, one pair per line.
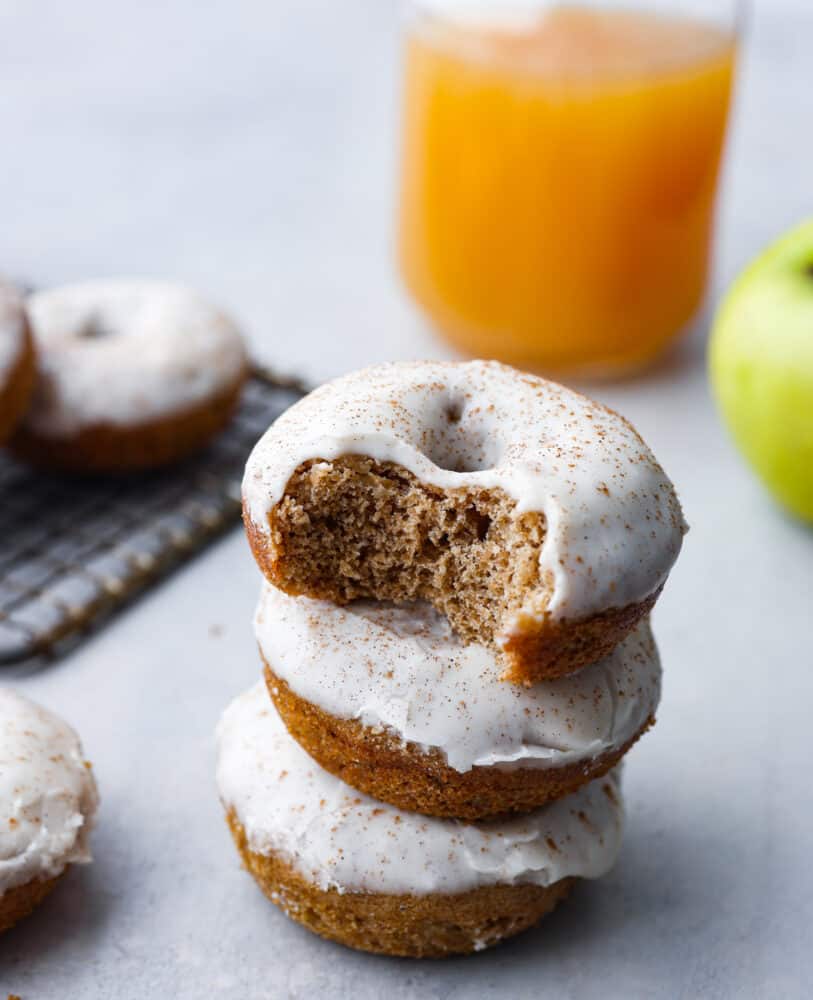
559, 173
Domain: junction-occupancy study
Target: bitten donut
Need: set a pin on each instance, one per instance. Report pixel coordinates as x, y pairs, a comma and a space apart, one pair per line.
17, 365
536, 520
365, 874
132, 375
389, 700
48, 803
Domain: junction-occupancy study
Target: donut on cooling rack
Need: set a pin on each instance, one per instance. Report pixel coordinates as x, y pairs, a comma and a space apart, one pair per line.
48, 803
17, 364
388, 699
372, 877
536, 520
132, 375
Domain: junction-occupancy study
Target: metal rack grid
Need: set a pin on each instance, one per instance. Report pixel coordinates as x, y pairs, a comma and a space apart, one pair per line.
74, 551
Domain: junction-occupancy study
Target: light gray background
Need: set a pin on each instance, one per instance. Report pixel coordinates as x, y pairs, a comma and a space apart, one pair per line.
248, 147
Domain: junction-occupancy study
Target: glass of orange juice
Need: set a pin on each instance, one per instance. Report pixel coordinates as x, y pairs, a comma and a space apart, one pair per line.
559, 170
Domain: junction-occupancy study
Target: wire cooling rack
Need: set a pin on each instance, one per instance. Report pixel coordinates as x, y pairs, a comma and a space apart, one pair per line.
74, 551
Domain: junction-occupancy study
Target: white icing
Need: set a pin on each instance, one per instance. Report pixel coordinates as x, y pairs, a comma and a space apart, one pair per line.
614, 523
48, 797
337, 837
12, 331
127, 352
404, 669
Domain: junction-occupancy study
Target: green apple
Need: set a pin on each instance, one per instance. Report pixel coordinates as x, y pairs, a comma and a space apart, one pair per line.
761, 365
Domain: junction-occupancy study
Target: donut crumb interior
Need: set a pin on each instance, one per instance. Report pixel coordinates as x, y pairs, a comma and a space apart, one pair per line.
356, 528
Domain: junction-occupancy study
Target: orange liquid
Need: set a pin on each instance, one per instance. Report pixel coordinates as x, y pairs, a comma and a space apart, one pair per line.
558, 182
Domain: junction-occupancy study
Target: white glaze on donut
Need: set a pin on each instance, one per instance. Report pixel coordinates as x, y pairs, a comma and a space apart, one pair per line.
404, 669
614, 523
337, 837
12, 331
125, 353
48, 797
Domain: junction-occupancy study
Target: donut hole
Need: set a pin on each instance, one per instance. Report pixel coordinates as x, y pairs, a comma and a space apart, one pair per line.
453, 410
454, 439
354, 528
95, 328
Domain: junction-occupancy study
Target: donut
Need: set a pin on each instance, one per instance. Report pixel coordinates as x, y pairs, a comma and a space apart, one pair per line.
388, 699
48, 803
535, 519
132, 375
17, 364
369, 876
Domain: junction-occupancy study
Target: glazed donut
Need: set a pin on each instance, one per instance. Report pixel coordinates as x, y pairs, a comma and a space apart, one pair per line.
365, 874
387, 698
48, 803
17, 365
536, 520
132, 375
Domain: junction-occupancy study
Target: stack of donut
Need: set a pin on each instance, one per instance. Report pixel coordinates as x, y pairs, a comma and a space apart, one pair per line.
459, 564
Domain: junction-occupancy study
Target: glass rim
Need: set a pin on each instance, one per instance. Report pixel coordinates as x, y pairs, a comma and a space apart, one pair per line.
735, 20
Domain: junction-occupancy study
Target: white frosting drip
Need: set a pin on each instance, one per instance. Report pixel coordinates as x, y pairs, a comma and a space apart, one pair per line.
404, 669
12, 331
48, 797
127, 352
614, 523
337, 837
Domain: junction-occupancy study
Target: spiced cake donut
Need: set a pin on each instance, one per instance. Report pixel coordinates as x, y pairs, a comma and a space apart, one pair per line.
17, 363
132, 375
388, 699
48, 803
372, 877
535, 519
